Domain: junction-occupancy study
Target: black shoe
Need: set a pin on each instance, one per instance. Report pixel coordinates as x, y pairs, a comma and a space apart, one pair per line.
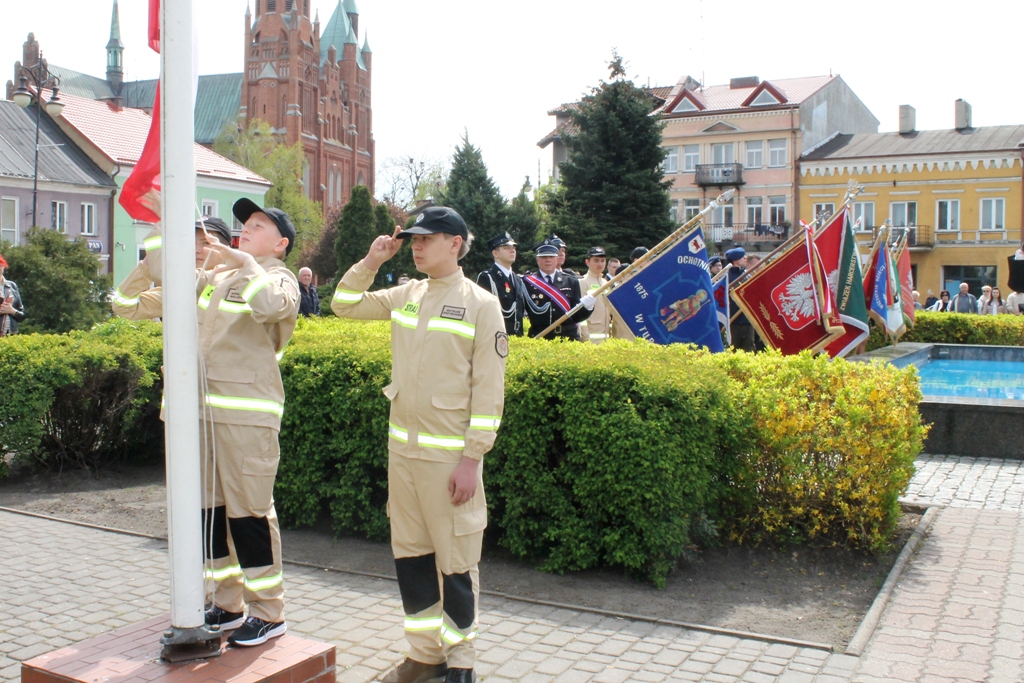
215, 616
255, 631
411, 671
460, 676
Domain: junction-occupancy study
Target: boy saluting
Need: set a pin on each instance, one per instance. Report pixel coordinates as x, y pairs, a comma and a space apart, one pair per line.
448, 345
248, 303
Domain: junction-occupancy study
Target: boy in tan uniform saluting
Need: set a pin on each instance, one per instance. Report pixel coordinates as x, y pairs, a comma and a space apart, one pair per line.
247, 304
448, 344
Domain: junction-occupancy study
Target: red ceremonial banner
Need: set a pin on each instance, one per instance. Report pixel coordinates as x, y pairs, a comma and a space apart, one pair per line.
784, 298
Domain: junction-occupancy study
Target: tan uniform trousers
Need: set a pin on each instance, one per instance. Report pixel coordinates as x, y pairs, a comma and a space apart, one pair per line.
239, 466
424, 522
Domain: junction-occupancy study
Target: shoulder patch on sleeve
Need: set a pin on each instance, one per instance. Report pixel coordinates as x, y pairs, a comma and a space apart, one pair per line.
501, 344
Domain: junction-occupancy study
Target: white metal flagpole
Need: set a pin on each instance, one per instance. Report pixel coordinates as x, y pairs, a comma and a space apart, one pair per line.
188, 637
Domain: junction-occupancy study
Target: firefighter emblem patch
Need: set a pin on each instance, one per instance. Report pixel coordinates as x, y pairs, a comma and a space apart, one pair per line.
501, 344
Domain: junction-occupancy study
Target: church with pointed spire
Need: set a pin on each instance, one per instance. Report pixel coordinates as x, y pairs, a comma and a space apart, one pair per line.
311, 86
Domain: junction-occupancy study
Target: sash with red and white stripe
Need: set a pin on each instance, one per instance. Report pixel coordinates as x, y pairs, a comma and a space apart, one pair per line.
557, 297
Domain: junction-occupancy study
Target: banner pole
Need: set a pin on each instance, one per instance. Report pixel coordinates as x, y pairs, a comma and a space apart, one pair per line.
635, 266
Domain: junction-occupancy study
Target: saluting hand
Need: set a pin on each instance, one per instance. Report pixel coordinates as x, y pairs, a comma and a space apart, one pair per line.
462, 483
382, 249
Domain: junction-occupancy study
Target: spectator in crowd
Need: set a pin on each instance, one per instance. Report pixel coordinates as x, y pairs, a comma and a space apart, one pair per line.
942, 304
1015, 303
964, 301
1019, 256
986, 292
12, 311
931, 300
613, 267
917, 300
403, 279
309, 304
992, 303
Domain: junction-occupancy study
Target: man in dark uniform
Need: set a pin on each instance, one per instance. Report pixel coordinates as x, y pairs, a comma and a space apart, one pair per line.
551, 294
560, 264
503, 283
740, 328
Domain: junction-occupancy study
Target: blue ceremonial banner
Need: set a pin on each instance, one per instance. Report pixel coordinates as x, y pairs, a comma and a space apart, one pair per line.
670, 300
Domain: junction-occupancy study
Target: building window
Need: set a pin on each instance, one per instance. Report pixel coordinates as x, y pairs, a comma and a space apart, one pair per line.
776, 210
777, 153
691, 207
754, 212
59, 217
863, 216
691, 157
9, 221
992, 211
673, 211
722, 215
947, 212
823, 210
903, 214
755, 154
974, 276
210, 208
723, 153
88, 219
671, 163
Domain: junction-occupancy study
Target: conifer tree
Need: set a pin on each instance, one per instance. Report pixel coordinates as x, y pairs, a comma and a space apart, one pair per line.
472, 192
523, 220
357, 228
612, 191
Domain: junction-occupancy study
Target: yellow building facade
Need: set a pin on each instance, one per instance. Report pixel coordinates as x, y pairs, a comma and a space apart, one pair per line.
958, 194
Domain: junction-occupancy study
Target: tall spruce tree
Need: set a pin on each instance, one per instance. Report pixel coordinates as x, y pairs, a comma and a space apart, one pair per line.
613, 193
357, 228
472, 193
523, 220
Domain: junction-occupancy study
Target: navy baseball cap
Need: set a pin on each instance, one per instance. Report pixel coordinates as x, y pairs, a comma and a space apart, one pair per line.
596, 251
245, 208
437, 219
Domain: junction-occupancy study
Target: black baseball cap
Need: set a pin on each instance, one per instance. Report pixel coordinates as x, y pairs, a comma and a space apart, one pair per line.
437, 219
245, 208
596, 251
217, 227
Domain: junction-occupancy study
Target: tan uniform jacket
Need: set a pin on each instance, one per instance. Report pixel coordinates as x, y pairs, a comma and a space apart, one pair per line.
448, 348
598, 326
246, 318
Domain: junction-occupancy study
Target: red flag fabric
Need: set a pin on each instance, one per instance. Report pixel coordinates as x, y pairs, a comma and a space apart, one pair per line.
844, 279
788, 300
906, 278
141, 191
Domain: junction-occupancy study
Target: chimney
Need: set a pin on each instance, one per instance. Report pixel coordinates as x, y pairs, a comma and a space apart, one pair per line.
962, 114
908, 119
744, 82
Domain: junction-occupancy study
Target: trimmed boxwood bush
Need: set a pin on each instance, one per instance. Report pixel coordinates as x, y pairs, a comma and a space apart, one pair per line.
958, 328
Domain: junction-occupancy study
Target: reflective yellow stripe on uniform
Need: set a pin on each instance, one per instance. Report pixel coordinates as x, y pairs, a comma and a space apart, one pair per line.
153, 243
486, 422
122, 300
397, 433
448, 443
265, 583
255, 286
347, 296
404, 319
453, 637
423, 623
597, 335
224, 305
259, 405
223, 572
454, 326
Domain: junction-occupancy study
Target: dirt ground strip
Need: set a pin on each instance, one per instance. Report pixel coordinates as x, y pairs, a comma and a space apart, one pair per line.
817, 595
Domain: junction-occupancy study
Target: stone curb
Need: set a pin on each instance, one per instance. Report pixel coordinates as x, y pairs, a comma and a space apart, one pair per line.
870, 621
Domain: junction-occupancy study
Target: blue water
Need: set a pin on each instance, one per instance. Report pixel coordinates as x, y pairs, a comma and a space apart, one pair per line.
973, 379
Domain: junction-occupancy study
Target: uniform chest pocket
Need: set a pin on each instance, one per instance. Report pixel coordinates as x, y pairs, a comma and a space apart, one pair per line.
450, 402
226, 373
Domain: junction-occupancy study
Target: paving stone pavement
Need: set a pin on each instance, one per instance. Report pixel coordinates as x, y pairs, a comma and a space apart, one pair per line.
957, 614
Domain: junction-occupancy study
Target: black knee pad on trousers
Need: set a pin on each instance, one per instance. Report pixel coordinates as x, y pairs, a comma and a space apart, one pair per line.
458, 599
417, 582
215, 527
252, 541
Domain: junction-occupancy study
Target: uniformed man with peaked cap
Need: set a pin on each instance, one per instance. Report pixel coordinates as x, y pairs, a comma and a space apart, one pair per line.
560, 264
501, 281
552, 293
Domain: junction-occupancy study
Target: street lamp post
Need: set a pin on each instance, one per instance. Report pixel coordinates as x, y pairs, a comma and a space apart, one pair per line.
41, 78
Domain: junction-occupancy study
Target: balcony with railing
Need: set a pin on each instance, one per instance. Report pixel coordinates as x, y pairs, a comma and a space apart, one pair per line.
719, 175
747, 233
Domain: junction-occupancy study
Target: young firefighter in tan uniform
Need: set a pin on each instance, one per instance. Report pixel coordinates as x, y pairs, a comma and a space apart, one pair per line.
598, 326
247, 309
448, 344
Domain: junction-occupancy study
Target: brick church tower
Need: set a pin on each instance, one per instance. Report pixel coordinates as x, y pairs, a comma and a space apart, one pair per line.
312, 88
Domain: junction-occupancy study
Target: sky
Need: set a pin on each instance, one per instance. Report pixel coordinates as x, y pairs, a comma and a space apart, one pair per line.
493, 70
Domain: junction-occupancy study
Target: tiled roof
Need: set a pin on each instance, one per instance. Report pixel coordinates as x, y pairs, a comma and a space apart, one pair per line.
723, 97
60, 160
930, 142
120, 134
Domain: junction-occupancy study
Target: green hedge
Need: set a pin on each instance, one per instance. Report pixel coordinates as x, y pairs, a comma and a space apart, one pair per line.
958, 328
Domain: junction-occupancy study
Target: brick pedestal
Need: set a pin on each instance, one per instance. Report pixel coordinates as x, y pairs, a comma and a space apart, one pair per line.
133, 654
